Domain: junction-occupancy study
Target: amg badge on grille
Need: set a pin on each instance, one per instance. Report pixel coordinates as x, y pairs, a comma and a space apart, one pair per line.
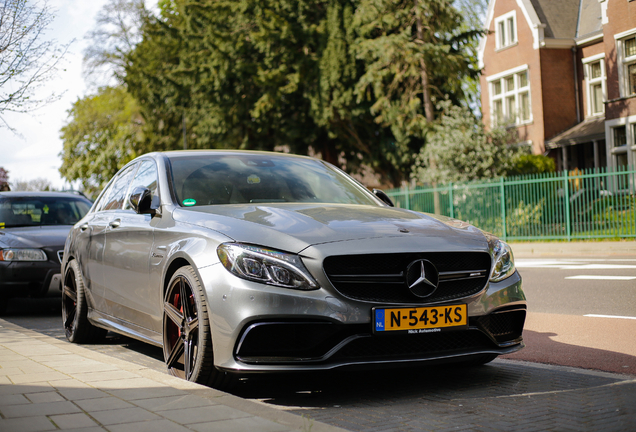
422, 278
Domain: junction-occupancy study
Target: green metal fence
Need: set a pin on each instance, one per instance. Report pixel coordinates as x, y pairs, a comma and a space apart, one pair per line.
596, 203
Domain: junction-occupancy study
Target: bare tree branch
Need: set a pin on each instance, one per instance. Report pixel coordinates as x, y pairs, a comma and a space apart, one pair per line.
27, 59
117, 32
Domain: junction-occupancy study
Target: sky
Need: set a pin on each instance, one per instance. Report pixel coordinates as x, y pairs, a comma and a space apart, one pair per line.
34, 151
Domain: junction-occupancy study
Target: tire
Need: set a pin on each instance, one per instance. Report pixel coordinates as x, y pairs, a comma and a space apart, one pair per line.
75, 309
187, 341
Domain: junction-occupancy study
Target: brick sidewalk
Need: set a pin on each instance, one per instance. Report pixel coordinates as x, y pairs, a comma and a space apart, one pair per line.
48, 384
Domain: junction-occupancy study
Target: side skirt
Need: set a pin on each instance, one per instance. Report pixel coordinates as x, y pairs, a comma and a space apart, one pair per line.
125, 328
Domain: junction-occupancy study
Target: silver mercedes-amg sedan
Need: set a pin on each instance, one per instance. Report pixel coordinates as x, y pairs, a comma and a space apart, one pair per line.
239, 262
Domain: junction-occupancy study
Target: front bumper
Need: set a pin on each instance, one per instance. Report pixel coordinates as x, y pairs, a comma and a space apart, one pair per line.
260, 328
30, 278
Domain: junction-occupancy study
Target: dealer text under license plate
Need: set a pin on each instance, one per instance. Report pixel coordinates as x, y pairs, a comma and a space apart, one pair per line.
420, 319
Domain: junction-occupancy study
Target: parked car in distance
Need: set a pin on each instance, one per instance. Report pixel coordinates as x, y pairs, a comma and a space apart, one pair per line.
33, 229
249, 262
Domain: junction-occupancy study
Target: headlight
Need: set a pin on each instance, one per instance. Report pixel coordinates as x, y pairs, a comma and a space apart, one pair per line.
266, 266
503, 260
22, 255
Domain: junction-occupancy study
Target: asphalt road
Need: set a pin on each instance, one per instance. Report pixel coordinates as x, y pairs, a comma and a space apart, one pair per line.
582, 312
580, 286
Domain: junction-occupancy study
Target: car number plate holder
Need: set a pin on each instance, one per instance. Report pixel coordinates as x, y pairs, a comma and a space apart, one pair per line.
418, 320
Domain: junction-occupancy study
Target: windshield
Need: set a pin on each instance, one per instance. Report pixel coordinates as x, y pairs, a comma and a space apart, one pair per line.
36, 211
206, 179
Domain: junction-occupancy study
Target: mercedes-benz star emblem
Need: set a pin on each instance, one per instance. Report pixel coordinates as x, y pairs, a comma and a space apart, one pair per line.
422, 278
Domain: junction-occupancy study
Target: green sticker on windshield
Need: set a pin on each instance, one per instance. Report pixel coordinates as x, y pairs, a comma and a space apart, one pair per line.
189, 202
46, 209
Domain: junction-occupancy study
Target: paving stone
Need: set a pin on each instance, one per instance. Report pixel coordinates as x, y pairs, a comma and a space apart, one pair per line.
146, 393
52, 359
102, 404
124, 415
73, 421
162, 425
37, 409
50, 396
101, 376
75, 367
36, 377
28, 424
173, 402
12, 399
10, 371
246, 424
24, 388
203, 414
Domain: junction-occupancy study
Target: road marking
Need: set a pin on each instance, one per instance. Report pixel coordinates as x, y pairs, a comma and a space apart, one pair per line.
599, 277
609, 316
570, 265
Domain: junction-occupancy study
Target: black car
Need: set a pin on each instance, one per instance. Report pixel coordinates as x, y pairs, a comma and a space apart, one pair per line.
33, 229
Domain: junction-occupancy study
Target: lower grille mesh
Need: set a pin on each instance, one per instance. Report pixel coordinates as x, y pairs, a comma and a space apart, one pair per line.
502, 326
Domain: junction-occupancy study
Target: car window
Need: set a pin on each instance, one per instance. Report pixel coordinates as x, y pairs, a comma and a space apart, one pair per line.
18, 211
119, 189
102, 199
237, 179
146, 176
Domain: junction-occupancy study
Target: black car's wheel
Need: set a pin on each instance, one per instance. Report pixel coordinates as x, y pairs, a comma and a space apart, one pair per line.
187, 343
75, 308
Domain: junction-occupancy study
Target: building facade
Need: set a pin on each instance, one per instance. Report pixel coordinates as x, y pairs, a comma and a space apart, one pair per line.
563, 73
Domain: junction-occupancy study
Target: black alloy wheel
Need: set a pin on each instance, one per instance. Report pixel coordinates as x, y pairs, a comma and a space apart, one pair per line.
77, 328
187, 345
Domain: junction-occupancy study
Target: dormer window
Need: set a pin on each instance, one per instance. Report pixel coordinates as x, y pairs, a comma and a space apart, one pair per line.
506, 30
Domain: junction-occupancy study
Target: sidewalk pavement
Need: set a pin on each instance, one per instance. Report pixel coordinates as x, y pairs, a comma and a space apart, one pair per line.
573, 248
50, 384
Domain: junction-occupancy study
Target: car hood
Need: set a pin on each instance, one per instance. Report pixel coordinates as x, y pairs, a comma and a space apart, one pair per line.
294, 227
34, 237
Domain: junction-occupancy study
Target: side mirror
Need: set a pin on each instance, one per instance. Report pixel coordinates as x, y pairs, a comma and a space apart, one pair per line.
383, 197
141, 200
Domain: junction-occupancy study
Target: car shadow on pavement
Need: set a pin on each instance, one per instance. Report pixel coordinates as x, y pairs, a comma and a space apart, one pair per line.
542, 348
440, 383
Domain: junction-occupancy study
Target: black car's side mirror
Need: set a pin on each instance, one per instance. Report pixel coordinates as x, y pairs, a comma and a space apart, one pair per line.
383, 197
141, 201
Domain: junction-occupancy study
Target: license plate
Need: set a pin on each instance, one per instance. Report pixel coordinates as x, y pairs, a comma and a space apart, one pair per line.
420, 319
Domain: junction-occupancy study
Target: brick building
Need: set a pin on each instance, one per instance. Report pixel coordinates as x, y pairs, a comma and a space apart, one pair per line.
563, 72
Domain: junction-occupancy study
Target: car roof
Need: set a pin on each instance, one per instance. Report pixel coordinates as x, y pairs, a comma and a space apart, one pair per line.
182, 153
40, 194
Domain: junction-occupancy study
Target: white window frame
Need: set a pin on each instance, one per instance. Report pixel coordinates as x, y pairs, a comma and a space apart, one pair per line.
623, 62
590, 82
516, 93
510, 38
629, 123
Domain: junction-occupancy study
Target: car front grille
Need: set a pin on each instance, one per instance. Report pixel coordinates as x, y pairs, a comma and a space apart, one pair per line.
380, 278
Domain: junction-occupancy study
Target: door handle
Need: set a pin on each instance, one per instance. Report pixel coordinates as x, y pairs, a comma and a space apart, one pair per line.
115, 223
84, 227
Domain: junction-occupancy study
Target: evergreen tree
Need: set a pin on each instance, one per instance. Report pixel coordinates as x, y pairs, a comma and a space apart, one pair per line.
414, 56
